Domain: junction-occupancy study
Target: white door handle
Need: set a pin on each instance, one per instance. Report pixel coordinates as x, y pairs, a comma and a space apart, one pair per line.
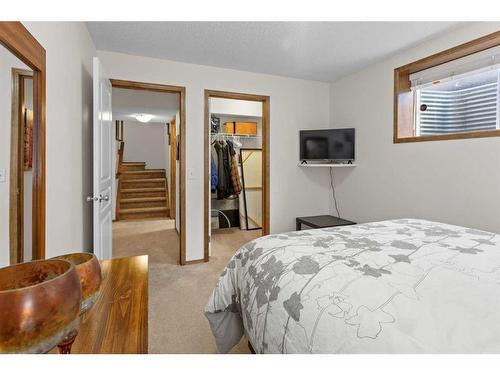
100, 198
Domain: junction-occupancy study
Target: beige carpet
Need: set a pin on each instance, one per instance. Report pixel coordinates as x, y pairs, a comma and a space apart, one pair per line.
177, 295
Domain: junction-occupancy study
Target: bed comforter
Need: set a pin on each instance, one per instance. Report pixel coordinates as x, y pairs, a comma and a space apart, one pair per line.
399, 286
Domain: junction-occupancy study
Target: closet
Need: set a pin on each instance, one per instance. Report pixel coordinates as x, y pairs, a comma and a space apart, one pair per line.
235, 166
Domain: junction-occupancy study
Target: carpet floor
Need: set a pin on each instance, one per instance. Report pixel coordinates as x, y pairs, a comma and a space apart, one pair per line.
178, 294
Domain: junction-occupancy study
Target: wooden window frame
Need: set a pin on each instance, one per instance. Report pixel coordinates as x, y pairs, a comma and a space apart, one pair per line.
18, 40
404, 116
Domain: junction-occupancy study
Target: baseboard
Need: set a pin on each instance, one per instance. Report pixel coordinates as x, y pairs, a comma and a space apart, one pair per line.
196, 261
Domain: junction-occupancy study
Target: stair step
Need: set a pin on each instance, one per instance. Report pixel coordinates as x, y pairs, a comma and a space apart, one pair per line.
149, 170
143, 202
142, 193
142, 210
144, 183
146, 180
134, 162
142, 213
132, 166
143, 199
142, 174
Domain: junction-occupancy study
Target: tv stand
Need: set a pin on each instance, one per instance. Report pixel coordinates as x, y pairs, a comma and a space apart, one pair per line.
304, 163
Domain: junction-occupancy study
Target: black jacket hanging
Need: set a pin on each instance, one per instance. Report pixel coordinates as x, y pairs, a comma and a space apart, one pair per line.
228, 185
220, 170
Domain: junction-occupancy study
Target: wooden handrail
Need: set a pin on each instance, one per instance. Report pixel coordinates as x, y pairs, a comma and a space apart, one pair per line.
119, 163
119, 160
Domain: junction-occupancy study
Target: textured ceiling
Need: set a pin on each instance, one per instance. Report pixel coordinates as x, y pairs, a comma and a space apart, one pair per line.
127, 103
323, 51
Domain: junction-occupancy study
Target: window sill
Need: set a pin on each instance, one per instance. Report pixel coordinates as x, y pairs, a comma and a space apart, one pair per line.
444, 137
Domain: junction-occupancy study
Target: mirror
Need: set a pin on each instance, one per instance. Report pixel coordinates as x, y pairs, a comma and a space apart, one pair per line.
251, 176
16, 159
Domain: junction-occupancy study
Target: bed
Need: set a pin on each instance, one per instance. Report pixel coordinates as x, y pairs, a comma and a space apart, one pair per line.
398, 286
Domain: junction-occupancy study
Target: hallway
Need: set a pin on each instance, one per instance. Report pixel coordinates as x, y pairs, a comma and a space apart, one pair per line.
177, 295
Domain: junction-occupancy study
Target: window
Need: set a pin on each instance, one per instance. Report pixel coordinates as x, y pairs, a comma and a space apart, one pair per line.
454, 94
457, 105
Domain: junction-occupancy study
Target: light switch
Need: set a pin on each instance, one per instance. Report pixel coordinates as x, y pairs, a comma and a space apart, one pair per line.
190, 174
3, 177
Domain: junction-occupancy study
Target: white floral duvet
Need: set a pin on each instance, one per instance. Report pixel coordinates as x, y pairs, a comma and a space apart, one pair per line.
399, 286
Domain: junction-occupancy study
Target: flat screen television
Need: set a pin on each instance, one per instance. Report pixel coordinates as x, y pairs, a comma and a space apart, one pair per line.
327, 145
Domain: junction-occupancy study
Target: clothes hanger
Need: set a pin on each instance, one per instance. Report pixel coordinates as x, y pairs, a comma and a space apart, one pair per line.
236, 142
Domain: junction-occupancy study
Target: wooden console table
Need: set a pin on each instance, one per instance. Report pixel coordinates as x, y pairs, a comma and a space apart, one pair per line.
118, 321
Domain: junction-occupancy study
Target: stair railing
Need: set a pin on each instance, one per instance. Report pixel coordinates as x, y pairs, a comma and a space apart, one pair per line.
119, 163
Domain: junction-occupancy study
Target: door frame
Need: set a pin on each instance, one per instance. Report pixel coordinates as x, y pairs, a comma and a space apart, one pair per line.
172, 194
16, 200
266, 125
133, 85
18, 40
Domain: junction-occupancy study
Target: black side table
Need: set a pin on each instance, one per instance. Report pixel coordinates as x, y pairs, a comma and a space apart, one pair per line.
321, 221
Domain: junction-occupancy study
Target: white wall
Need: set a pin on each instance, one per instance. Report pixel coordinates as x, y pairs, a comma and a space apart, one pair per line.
235, 107
166, 160
145, 142
449, 181
114, 160
69, 50
177, 175
295, 104
7, 62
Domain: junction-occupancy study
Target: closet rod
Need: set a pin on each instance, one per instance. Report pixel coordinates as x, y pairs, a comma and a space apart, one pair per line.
232, 135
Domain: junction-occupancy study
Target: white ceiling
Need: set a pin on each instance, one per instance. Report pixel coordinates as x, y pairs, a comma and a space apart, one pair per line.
323, 51
127, 103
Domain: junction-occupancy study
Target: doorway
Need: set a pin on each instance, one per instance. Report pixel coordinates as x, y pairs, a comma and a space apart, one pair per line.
236, 133
21, 165
21, 51
150, 170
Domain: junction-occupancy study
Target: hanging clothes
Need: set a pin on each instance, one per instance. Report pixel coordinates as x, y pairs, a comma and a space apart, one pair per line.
220, 170
225, 178
235, 176
228, 185
213, 175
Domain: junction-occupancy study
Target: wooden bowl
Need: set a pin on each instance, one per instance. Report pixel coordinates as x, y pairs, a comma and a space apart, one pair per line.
39, 305
88, 269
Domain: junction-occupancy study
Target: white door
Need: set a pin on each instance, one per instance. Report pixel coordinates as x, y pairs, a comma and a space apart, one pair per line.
103, 160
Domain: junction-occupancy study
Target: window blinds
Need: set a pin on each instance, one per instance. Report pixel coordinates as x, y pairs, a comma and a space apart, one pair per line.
472, 109
459, 96
488, 59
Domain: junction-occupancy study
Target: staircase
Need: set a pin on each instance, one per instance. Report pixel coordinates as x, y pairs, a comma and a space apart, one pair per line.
142, 192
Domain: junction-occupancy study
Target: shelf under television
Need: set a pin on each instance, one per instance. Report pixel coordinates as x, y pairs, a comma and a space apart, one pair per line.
327, 165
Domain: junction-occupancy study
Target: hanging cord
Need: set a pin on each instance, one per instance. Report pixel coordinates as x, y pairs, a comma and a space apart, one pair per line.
332, 184
223, 214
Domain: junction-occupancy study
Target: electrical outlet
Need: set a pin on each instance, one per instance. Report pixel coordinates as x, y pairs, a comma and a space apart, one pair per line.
3, 177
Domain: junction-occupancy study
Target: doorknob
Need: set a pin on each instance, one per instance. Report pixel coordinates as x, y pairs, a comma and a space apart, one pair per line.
100, 198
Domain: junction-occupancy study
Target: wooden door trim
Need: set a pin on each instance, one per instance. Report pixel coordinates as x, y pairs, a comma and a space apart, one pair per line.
124, 84
173, 183
18, 40
16, 185
266, 164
